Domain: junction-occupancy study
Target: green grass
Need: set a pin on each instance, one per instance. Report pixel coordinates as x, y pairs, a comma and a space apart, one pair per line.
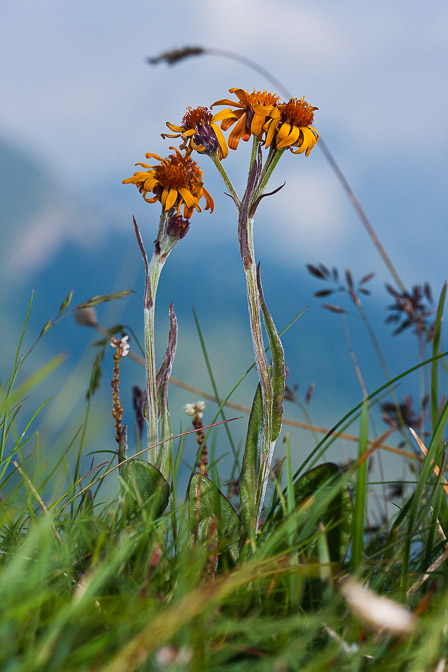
126, 584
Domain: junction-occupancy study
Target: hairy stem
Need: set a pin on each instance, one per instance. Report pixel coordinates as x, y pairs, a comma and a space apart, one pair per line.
253, 302
163, 247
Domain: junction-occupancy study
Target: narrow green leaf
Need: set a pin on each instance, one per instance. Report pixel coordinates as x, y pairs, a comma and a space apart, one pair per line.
206, 500
251, 460
360, 495
38, 377
144, 488
164, 452
435, 363
436, 516
96, 373
417, 497
148, 299
336, 516
278, 364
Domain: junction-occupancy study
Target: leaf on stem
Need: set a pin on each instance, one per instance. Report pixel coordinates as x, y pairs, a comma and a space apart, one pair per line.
278, 364
256, 203
251, 459
164, 373
206, 500
148, 297
144, 488
163, 376
244, 216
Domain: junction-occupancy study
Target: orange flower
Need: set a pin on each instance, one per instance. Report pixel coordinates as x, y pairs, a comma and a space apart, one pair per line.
251, 113
290, 126
199, 132
176, 181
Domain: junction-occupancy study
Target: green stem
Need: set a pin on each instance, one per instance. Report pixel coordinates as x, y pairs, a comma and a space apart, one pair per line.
150, 358
164, 246
255, 189
254, 151
254, 316
225, 177
253, 302
271, 162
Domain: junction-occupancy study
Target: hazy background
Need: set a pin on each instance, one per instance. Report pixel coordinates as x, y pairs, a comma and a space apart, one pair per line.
80, 106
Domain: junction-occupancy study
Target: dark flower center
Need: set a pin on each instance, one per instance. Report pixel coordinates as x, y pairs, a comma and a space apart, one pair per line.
199, 116
298, 112
179, 171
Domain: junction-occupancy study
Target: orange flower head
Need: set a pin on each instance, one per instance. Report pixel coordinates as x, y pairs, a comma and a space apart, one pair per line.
290, 126
175, 182
249, 116
199, 133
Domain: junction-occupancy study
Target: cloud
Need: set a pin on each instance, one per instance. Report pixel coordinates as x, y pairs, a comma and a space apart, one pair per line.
43, 234
307, 219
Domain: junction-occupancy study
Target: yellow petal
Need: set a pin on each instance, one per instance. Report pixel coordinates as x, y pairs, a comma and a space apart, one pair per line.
264, 110
237, 133
225, 114
256, 125
209, 200
188, 197
176, 129
290, 139
309, 140
226, 101
221, 140
193, 145
242, 95
169, 135
150, 183
171, 199
269, 127
283, 132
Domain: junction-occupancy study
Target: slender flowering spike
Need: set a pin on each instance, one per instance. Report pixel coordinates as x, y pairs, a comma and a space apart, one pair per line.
290, 126
251, 112
199, 133
195, 409
175, 182
122, 345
